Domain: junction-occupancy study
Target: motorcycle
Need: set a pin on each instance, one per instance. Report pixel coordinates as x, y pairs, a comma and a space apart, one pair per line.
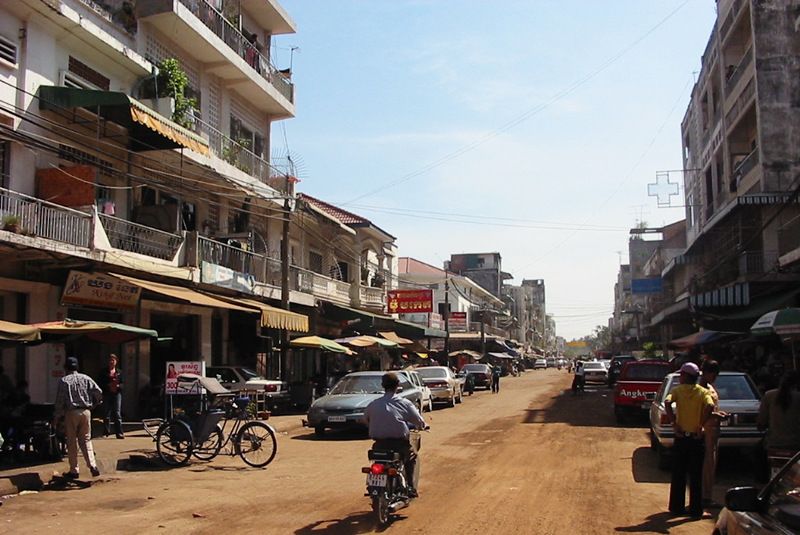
387, 483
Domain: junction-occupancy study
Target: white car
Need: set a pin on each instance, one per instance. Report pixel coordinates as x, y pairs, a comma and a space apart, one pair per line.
415, 379
540, 364
444, 385
237, 378
595, 372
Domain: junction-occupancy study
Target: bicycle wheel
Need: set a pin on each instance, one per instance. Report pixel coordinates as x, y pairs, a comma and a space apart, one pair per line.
174, 442
256, 444
210, 448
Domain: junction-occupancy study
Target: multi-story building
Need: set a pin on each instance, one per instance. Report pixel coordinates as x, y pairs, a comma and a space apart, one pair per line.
526, 304
741, 171
483, 268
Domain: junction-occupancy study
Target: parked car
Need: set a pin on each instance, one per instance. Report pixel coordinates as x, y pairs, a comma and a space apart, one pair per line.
415, 378
237, 378
595, 372
773, 510
615, 367
637, 385
738, 397
540, 364
444, 385
482, 374
551, 362
344, 405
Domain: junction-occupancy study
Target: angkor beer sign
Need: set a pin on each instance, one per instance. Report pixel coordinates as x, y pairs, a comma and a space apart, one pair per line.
99, 290
410, 301
457, 322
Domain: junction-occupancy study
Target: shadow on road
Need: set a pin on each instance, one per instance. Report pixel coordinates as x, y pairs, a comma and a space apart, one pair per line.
334, 435
658, 523
592, 408
352, 524
644, 467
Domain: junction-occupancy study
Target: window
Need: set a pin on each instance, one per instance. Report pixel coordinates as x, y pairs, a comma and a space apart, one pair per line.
88, 74
5, 163
8, 51
315, 262
72, 154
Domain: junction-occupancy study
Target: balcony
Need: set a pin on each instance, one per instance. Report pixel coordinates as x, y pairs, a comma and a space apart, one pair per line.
140, 239
789, 238
757, 262
41, 219
236, 154
211, 39
733, 77
372, 297
306, 281
743, 167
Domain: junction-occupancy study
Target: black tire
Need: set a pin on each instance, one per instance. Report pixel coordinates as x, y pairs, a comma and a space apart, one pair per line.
174, 443
319, 430
256, 444
380, 506
210, 448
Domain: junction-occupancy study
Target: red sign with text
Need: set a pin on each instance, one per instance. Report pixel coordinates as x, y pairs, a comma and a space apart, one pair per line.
410, 301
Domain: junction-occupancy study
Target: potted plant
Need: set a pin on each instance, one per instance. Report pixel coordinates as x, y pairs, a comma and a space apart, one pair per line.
11, 223
171, 84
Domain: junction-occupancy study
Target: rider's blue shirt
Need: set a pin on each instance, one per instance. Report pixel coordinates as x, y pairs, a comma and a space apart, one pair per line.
387, 417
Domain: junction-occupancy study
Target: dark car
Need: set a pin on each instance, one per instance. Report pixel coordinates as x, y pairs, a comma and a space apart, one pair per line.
482, 374
773, 510
615, 367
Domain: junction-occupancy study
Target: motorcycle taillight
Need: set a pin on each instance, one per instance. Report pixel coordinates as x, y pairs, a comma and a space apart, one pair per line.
376, 469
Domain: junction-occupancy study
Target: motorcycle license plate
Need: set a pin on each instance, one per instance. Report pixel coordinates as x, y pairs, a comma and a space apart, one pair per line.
376, 480
337, 419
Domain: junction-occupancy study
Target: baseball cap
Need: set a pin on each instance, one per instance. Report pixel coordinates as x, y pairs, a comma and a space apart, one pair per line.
690, 368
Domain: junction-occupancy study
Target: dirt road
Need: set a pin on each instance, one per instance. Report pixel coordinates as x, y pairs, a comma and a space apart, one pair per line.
531, 460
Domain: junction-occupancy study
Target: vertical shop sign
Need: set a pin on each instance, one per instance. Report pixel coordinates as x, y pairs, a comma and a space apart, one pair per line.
177, 368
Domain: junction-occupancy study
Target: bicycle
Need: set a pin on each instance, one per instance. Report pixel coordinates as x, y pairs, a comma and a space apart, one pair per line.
205, 433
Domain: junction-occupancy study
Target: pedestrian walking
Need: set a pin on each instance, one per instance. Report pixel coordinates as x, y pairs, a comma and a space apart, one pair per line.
110, 382
711, 430
469, 384
693, 408
496, 372
76, 395
579, 380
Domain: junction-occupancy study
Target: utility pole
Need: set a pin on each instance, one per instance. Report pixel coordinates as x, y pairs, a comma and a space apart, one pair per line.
483, 333
447, 316
283, 361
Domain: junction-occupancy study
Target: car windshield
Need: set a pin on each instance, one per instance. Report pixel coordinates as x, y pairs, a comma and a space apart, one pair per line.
735, 387
432, 373
474, 368
358, 384
593, 366
646, 372
785, 494
248, 374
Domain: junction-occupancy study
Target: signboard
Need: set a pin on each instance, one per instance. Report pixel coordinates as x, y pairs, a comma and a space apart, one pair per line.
175, 369
646, 286
410, 301
577, 343
226, 277
99, 290
458, 322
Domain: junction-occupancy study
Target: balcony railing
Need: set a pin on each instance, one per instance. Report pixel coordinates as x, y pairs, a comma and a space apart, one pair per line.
234, 258
757, 262
233, 152
119, 18
135, 238
319, 285
35, 217
736, 75
372, 297
741, 104
741, 170
728, 23
231, 36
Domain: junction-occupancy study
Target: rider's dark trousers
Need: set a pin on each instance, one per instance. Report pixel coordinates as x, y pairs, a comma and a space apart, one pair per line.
407, 448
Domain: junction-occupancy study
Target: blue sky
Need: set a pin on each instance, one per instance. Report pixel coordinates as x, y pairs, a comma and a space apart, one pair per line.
477, 126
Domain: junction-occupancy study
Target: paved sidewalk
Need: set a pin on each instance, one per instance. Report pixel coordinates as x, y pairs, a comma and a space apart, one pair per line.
112, 454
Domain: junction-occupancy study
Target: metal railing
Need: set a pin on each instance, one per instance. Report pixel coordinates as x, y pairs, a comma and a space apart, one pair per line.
741, 104
124, 21
234, 258
233, 152
728, 23
757, 262
734, 77
231, 36
372, 297
135, 238
744, 167
303, 280
35, 217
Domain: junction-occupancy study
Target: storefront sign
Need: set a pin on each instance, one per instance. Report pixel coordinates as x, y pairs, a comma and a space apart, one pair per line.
177, 368
99, 290
410, 301
226, 277
457, 322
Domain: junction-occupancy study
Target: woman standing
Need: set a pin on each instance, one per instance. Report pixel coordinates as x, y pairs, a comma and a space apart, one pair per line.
111, 384
711, 429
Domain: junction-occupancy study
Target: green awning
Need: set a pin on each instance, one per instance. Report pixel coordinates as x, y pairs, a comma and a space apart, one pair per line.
147, 129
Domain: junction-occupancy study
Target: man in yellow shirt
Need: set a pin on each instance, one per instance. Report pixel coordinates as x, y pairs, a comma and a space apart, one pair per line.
693, 407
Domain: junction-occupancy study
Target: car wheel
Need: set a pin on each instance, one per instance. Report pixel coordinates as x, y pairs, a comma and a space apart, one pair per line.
319, 431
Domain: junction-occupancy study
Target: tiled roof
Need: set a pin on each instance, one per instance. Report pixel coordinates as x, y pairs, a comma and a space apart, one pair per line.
348, 218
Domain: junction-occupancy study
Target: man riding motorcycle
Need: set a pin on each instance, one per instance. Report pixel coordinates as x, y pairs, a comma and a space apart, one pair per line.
389, 419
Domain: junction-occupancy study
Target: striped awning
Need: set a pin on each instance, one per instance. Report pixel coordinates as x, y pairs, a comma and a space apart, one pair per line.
277, 318
170, 130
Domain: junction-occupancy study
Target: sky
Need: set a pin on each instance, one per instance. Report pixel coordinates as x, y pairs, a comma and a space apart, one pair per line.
530, 128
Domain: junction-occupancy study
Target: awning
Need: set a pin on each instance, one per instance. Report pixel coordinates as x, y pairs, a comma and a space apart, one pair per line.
184, 294
16, 332
474, 354
360, 319
415, 330
317, 342
391, 335
147, 129
701, 338
365, 341
99, 331
276, 318
501, 355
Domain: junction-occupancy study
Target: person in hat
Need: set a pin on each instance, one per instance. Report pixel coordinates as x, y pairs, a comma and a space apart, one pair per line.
76, 395
694, 405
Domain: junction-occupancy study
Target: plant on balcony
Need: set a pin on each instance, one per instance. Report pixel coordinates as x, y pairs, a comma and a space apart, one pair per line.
11, 223
171, 82
232, 152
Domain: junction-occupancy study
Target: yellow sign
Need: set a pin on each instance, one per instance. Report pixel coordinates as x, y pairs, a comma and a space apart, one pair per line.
577, 343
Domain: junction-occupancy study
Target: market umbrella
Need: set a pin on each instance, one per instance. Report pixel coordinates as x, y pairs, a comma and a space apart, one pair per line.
783, 322
365, 341
701, 338
16, 332
99, 331
317, 342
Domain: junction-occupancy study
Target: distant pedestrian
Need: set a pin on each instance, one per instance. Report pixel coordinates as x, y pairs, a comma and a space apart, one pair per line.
110, 381
711, 429
469, 383
496, 372
694, 405
780, 414
579, 380
76, 395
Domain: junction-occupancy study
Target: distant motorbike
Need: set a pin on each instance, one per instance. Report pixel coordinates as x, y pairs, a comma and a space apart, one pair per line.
387, 483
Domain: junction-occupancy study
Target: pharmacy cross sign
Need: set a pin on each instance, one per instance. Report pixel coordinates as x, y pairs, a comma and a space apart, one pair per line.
663, 189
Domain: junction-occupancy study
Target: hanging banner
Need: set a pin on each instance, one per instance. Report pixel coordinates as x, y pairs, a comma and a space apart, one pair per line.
175, 369
410, 301
457, 322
